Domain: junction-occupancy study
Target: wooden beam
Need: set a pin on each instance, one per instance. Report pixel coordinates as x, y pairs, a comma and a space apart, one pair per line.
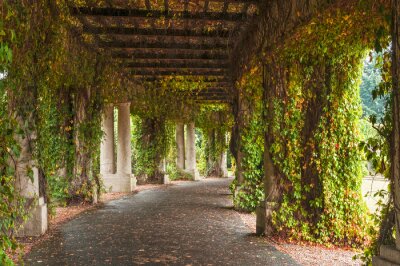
209, 80
190, 65
142, 13
163, 45
148, 4
226, 6
166, 6
158, 32
181, 72
206, 4
193, 55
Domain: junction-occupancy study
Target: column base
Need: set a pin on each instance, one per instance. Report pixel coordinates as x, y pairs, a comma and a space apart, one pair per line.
195, 174
166, 180
389, 256
263, 220
36, 225
119, 182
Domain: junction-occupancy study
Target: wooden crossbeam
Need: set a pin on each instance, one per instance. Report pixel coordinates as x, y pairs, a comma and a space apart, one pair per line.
213, 81
211, 99
142, 13
184, 64
206, 4
180, 72
163, 45
226, 6
158, 32
204, 92
194, 55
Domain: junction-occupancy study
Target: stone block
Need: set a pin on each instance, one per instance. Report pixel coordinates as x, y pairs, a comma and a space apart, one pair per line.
195, 174
260, 219
37, 223
119, 182
166, 180
389, 255
379, 261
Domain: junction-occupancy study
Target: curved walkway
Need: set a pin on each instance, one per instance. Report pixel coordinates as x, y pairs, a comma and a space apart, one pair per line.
190, 223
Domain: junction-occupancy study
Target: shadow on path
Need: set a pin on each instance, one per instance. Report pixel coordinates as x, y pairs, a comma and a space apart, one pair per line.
187, 224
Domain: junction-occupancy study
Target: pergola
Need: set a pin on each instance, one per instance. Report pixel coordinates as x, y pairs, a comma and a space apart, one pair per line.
152, 40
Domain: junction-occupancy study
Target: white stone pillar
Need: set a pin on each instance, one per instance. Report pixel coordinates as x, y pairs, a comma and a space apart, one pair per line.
162, 168
27, 185
124, 139
180, 146
191, 151
123, 180
224, 162
107, 163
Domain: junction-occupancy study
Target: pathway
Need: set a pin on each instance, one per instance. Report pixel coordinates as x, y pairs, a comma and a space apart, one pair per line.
191, 223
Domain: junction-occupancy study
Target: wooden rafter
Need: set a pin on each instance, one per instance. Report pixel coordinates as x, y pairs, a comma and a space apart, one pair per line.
195, 55
180, 72
175, 65
212, 81
157, 42
163, 45
218, 33
142, 13
226, 6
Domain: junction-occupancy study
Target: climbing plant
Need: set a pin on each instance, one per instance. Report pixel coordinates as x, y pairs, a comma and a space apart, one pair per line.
214, 122
11, 204
247, 187
314, 131
52, 96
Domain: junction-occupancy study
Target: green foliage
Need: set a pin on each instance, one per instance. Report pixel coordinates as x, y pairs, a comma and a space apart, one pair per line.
249, 192
377, 151
11, 204
315, 129
371, 78
151, 143
214, 121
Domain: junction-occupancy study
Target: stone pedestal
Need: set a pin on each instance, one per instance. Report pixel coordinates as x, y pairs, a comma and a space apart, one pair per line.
166, 180
264, 218
119, 182
162, 168
36, 225
389, 256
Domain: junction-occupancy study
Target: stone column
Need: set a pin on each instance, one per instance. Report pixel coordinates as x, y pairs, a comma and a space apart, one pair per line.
390, 255
191, 151
28, 187
180, 146
224, 162
162, 168
107, 164
124, 140
123, 180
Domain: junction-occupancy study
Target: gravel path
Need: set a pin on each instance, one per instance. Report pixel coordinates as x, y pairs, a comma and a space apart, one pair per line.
191, 223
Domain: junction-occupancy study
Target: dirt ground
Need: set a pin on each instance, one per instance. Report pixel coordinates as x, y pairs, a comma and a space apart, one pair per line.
308, 255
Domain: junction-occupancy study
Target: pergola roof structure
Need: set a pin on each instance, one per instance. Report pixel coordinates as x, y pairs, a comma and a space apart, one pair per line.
154, 39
